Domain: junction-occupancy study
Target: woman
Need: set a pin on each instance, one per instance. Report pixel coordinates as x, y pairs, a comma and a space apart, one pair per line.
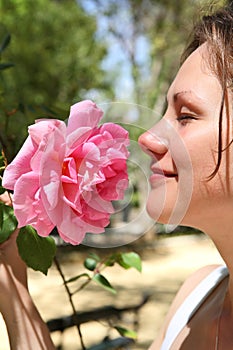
198, 123
191, 184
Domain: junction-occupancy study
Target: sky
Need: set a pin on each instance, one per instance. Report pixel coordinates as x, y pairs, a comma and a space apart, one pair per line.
117, 58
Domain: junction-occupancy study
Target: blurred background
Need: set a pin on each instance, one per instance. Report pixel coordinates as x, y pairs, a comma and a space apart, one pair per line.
58, 52
122, 55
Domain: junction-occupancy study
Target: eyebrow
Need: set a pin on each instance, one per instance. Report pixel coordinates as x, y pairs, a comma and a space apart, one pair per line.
181, 93
189, 98
184, 94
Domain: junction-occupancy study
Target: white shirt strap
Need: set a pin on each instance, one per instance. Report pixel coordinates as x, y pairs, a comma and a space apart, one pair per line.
191, 304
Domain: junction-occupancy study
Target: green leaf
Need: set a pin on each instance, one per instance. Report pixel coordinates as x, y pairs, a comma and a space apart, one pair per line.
90, 264
5, 42
111, 260
103, 282
8, 222
94, 256
75, 278
128, 260
2, 190
126, 332
6, 65
37, 252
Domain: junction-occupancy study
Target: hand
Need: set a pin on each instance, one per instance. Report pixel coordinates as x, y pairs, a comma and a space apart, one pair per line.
25, 327
13, 273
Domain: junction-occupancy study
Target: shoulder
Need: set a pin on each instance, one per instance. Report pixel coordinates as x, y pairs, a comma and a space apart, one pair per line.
188, 286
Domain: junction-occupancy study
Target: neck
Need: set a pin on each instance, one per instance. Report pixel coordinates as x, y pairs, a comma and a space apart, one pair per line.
222, 236
221, 233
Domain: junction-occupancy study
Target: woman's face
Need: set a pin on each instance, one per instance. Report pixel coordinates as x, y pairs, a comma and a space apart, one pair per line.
183, 146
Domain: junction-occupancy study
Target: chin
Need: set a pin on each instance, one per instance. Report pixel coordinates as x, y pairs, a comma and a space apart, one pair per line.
166, 209
159, 212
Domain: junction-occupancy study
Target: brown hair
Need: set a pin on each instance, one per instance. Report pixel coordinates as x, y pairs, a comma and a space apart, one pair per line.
216, 30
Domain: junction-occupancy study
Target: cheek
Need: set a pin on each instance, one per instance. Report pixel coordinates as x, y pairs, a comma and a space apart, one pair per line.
202, 147
207, 189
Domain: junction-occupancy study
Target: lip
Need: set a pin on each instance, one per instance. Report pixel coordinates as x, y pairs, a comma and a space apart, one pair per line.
158, 173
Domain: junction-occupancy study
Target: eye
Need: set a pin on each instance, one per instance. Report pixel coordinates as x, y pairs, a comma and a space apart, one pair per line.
185, 119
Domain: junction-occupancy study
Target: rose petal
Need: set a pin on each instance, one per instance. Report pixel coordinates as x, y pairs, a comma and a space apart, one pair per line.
117, 132
83, 114
20, 165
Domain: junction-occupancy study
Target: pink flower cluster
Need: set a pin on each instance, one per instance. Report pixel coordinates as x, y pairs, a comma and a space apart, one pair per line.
67, 176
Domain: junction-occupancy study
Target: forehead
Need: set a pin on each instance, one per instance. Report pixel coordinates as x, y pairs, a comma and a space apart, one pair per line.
196, 77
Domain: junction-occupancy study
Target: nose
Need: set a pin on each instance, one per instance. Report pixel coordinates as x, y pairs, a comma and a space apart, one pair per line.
152, 142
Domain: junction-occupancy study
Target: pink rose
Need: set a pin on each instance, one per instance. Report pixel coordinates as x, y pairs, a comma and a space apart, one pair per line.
67, 176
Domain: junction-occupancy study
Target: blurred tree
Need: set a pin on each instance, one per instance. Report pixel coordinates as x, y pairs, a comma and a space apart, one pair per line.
57, 57
169, 28
57, 62
151, 35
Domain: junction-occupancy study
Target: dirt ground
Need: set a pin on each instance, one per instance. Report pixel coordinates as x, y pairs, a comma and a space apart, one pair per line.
166, 263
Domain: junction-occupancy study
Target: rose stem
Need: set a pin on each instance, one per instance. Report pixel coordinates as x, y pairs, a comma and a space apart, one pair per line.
70, 300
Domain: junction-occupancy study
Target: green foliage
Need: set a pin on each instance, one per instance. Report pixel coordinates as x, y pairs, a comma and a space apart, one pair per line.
55, 50
90, 264
126, 332
96, 265
125, 260
5, 43
8, 222
73, 279
103, 282
128, 260
37, 252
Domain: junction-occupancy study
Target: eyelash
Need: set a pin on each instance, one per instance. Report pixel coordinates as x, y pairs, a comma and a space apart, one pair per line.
185, 119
